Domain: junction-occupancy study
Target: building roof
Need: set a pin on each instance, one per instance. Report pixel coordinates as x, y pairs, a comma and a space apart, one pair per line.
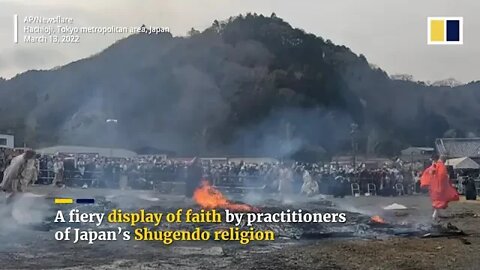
342, 160
458, 147
462, 163
412, 153
414, 148
150, 150
360, 158
105, 152
253, 159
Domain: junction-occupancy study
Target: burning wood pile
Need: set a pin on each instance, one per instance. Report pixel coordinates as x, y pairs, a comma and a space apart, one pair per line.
208, 197
377, 219
357, 225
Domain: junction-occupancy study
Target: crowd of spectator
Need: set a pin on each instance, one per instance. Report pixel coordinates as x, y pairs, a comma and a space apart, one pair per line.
145, 172
6, 155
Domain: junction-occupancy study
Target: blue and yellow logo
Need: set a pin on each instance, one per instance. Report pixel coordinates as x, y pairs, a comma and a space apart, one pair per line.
445, 31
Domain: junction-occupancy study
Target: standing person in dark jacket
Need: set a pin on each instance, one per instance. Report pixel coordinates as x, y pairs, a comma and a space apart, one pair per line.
194, 175
470, 189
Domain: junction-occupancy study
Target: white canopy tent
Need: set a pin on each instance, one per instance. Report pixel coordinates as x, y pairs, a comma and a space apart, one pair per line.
462, 163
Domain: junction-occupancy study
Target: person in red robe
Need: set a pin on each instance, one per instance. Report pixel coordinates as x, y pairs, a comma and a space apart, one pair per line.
440, 189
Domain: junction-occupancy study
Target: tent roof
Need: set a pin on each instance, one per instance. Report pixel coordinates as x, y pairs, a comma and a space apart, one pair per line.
458, 147
462, 163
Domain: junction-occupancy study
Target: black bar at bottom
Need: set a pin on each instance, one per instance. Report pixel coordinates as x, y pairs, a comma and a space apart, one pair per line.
85, 201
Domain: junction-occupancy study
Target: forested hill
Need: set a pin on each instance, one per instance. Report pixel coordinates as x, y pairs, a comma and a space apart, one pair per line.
249, 85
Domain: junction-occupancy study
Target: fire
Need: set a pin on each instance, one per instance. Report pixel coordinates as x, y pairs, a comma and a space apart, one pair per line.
378, 219
209, 197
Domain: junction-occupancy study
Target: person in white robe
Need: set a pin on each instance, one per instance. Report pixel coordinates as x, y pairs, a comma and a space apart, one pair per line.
30, 174
13, 175
58, 169
310, 186
81, 167
123, 182
285, 180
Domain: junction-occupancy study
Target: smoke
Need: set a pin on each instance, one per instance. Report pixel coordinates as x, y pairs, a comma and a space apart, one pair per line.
27, 209
132, 200
345, 204
286, 132
415, 216
20, 218
90, 117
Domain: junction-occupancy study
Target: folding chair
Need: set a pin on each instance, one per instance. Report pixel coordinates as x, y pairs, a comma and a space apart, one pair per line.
372, 189
355, 189
399, 189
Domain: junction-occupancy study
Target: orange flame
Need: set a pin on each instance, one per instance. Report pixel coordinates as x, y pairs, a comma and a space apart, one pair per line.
378, 219
209, 197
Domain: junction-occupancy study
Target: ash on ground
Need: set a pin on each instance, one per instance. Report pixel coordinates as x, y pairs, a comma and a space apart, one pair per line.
32, 244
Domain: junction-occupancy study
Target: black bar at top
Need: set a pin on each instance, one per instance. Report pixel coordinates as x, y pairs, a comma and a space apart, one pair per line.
85, 201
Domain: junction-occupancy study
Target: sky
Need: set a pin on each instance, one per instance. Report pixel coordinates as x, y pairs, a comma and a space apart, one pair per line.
391, 34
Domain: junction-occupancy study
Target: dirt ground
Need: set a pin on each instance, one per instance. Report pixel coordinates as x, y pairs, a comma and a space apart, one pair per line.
393, 253
27, 249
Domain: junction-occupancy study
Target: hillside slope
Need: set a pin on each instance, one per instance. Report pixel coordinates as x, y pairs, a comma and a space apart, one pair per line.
249, 85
